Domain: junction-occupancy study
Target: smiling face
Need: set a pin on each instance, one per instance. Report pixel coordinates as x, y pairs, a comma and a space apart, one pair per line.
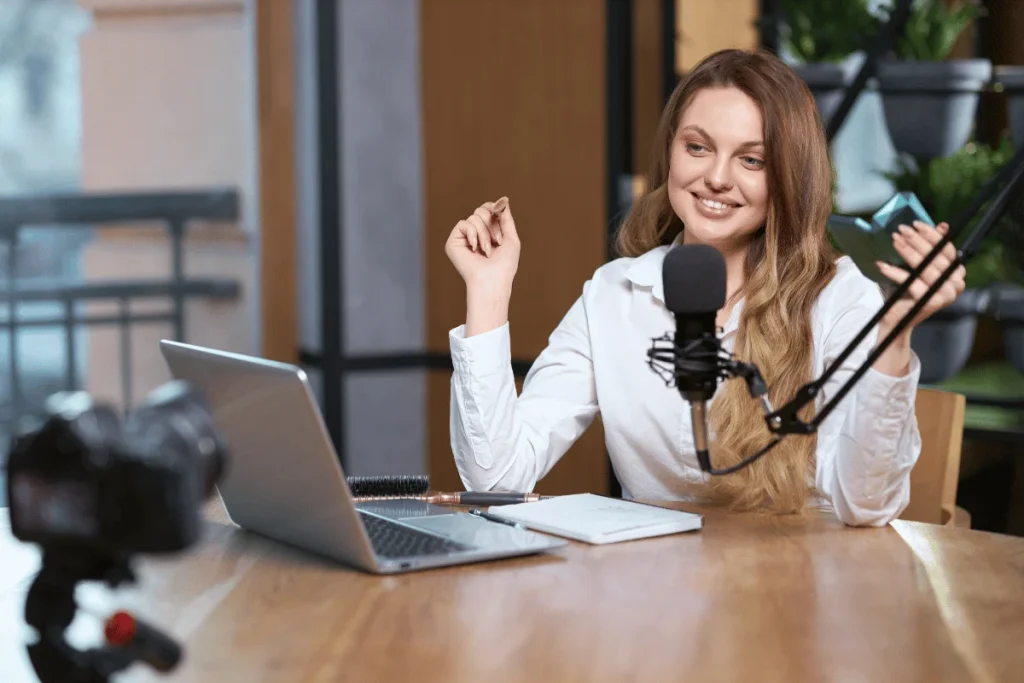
717, 184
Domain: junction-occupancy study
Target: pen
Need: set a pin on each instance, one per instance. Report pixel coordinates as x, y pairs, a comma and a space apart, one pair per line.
460, 498
494, 518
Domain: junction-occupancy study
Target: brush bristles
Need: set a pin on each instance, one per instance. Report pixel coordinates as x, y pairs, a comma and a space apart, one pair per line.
390, 486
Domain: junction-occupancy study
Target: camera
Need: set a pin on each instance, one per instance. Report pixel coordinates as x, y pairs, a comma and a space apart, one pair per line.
84, 480
92, 490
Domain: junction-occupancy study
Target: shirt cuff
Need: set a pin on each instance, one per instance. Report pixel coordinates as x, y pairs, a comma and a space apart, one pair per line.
482, 354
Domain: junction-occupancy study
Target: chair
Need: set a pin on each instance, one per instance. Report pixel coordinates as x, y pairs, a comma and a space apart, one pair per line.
934, 479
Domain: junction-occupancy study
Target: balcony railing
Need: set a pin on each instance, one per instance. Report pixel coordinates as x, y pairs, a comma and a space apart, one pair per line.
167, 211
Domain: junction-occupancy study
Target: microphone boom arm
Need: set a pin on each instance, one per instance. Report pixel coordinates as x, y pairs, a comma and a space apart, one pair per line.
786, 419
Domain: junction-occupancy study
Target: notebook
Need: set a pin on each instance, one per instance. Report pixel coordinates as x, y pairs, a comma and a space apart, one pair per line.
598, 519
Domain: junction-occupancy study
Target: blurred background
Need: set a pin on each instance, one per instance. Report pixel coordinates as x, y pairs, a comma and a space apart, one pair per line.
278, 177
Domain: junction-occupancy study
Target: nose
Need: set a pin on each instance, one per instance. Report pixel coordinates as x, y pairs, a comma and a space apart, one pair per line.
718, 177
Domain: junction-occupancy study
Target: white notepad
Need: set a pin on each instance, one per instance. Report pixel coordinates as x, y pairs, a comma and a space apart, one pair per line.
598, 519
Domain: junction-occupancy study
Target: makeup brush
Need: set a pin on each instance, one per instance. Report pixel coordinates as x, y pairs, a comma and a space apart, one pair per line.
408, 487
404, 486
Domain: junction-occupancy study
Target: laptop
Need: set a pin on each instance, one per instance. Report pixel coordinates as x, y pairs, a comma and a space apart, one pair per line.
284, 480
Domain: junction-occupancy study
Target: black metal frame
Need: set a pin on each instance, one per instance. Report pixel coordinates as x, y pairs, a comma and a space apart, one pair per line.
669, 77
768, 27
618, 105
619, 132
331, 202
170, 211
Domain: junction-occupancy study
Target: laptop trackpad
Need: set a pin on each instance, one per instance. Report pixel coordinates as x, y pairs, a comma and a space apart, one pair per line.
453, 525
484, 535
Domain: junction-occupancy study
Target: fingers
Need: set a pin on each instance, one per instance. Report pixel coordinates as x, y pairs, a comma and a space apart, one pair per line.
483, 234
501, 210
914, 244
899, 276
492, 223
959, 280
944, 296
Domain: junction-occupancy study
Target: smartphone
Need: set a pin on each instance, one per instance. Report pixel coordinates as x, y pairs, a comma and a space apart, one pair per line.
867, 243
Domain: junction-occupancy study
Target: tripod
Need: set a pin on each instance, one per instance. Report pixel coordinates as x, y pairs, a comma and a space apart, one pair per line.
50, 608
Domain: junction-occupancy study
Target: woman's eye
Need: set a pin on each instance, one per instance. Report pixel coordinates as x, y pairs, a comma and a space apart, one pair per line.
694, 147
753, 161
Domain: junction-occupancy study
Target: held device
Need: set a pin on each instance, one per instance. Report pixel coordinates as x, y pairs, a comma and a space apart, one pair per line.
92, 492
867, 243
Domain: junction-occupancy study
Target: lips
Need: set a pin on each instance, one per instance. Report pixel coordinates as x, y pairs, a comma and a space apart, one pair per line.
713, 208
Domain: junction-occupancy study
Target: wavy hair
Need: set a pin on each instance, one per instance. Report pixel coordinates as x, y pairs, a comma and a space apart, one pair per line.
788, 263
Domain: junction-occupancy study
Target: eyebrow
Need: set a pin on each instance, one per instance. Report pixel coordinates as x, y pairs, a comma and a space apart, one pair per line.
745, 145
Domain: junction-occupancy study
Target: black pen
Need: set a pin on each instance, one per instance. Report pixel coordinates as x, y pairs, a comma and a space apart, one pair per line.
494, 518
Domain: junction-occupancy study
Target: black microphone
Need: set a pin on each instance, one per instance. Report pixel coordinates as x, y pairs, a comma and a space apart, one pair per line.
693, 276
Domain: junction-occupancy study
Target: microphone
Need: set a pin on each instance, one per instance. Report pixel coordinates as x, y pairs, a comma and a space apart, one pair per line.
693, 276
694, 280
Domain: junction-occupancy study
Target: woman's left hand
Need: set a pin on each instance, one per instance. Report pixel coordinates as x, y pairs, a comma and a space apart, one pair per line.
913, 244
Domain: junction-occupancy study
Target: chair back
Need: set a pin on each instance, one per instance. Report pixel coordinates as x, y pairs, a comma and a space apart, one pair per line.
934, 479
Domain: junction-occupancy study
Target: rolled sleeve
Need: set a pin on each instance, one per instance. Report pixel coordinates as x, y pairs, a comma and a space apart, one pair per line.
870, 442
876, 448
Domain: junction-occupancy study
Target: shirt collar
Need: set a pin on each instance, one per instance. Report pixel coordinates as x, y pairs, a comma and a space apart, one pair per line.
645, 271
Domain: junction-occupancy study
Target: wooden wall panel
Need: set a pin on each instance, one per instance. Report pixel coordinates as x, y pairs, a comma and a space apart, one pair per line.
704, 27
513, 104
648, 95
998, 38
276, 114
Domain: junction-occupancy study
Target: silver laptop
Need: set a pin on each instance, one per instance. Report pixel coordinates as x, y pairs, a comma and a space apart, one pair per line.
284, 481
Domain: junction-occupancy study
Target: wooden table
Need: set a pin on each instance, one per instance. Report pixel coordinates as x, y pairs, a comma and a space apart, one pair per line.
748, 598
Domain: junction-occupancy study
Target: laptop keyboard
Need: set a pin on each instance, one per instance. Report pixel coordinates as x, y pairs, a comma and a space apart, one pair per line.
390, 539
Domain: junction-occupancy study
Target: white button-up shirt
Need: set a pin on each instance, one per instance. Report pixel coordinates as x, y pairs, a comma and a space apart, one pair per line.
596, 360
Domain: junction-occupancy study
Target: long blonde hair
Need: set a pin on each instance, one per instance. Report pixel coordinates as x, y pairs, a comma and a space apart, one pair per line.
789, 262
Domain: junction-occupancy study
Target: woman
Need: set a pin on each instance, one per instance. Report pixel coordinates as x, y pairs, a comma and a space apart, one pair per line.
741, 164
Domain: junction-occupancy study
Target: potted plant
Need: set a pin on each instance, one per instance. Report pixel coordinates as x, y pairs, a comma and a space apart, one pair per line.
821, 35
1011, 80
929, 100
946, 187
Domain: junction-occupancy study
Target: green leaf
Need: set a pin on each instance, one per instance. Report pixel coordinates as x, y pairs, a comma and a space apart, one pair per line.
826, 30
934, 27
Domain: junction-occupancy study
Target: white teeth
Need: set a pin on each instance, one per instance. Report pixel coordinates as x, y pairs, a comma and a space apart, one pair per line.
714, 204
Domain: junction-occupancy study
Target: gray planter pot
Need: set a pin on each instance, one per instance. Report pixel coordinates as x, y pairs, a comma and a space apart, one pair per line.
944, 341
1008, 307
1012, 80
930, 106
826, 81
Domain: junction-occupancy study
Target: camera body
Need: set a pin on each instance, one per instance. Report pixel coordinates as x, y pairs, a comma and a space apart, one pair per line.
84, 481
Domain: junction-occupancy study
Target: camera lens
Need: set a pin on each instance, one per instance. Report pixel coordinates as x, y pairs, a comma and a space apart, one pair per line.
175, 424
